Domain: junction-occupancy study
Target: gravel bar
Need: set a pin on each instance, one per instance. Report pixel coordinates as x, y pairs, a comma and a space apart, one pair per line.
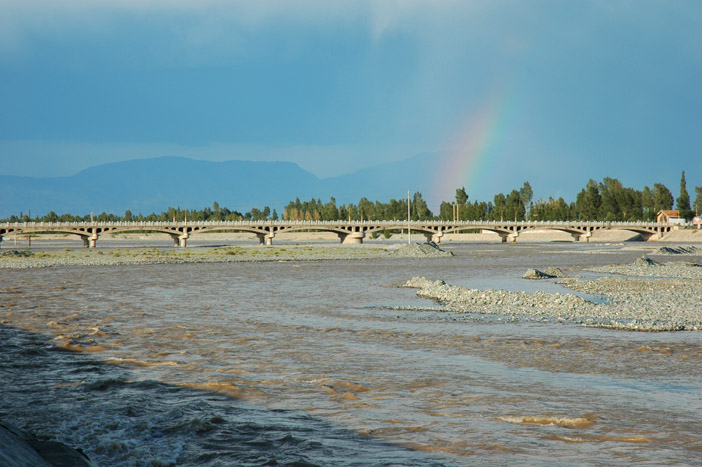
667, 298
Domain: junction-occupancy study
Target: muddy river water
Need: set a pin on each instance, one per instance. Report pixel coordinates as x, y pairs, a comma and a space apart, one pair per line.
305, 363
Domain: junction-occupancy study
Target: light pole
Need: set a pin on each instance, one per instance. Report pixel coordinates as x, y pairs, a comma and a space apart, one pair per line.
409, 233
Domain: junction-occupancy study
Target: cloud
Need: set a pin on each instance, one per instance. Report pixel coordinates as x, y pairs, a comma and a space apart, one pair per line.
221, 25
161, 32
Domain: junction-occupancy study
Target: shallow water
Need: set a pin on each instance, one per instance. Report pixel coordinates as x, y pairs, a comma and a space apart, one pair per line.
254, 363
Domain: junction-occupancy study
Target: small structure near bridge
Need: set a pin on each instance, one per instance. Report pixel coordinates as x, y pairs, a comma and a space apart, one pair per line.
669, 217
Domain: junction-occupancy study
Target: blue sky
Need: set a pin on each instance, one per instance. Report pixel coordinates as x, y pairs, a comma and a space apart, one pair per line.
584, 89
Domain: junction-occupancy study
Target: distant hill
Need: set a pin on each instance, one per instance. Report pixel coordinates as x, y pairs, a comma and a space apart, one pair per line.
153, 185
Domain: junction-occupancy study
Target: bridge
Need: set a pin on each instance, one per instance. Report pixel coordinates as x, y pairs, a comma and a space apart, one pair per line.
348, 232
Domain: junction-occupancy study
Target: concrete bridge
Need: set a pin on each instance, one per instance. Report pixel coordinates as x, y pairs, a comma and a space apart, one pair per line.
348, 232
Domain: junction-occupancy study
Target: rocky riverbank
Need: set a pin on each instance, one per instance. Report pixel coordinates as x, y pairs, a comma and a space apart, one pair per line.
19, 448
664, 297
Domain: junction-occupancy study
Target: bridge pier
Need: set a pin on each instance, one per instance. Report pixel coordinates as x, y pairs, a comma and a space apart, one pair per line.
352, 238
509, 237
90, 241
651, 237
266, 238
434, 236
180, 240
582, 237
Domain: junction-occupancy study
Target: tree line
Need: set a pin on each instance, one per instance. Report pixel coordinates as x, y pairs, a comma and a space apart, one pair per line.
608, 200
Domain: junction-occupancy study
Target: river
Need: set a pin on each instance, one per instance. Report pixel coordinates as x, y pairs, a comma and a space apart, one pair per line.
305, 363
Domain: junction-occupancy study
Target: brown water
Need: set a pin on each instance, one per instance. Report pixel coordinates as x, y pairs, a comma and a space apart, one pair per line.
299, 363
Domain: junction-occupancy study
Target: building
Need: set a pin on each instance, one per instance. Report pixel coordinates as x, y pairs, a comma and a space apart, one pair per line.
697, 221
669, 217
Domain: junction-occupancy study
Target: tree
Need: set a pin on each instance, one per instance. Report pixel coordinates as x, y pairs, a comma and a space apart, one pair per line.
662, 198
588, 202
647, 202
460, 210
366, 209
515, 206
420, 210
698, 200
500, 207
632, 205
526, 194
612, 198
446, 211
551, 210
683, 201
461, 196
329, 211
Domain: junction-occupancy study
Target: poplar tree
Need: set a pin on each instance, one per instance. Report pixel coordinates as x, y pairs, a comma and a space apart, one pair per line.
662, 198
461, 196
683, 201
647, 203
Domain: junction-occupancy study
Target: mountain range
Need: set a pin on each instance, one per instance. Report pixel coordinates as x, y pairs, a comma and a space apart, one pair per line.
153, 185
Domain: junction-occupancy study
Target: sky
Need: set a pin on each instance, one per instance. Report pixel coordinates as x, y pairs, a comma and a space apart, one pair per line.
554, 92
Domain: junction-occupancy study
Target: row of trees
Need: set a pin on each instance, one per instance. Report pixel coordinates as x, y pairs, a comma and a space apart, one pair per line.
608, 200
215, 213
365, 210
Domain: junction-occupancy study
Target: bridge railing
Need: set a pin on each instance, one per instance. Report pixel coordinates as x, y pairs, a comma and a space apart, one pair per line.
248, 223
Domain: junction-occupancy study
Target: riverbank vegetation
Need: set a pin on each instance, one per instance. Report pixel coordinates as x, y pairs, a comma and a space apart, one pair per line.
608, 200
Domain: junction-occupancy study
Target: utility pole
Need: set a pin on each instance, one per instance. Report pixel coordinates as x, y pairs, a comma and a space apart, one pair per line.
409, 232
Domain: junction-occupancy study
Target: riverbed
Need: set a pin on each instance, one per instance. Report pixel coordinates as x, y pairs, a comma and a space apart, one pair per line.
327, 361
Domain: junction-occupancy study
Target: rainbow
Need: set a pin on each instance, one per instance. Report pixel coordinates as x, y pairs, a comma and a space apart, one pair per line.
466, 162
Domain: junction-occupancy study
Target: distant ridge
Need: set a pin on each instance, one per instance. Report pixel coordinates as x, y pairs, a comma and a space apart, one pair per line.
153, 185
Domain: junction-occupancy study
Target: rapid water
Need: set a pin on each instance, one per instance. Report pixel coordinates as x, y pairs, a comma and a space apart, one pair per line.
301, 363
